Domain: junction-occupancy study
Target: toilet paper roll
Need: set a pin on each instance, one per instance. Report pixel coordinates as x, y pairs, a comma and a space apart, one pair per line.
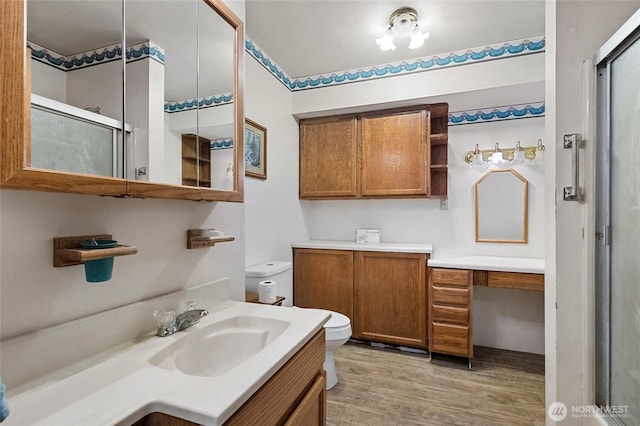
267, 291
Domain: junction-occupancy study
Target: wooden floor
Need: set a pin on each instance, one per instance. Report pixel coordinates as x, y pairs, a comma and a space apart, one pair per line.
386, 387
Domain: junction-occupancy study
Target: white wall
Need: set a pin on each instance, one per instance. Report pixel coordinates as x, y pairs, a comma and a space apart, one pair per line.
36, 295
100, 86
48, 81
273, 215
415, 88
575, 31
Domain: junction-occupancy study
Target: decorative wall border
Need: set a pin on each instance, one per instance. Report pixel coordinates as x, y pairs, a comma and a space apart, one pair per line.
222, 143
203, 102
507, 49
98, 56
485, 115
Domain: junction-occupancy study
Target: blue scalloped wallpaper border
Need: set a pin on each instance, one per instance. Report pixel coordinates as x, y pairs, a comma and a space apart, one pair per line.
223, 143
534, 109
98, 56
463, 57
204, 102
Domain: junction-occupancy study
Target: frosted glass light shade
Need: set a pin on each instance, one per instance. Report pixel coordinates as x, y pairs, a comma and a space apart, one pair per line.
386, 41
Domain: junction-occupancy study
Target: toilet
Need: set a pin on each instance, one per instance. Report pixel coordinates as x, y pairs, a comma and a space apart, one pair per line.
337, 329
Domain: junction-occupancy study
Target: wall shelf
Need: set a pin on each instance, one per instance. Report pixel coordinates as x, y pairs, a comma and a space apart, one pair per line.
200, 238
67, 250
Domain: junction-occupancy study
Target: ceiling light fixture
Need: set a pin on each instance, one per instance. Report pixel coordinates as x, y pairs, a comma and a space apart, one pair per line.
402, 23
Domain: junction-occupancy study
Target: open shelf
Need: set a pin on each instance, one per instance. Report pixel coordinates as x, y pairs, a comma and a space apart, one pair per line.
67, 250
200, 238
439, 139
439, 147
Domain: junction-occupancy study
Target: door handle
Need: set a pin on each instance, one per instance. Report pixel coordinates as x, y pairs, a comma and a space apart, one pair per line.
573, 192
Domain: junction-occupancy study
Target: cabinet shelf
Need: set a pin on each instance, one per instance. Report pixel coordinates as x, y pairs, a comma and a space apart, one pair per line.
193, 158
437, 167
439, 139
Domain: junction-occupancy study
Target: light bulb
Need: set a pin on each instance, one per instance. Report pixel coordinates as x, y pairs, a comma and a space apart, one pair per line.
518, 157
518, 154
386, 41
496, 158
417, 38
477, 160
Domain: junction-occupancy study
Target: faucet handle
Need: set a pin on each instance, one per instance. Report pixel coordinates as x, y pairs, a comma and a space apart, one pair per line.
165, 317
190, 305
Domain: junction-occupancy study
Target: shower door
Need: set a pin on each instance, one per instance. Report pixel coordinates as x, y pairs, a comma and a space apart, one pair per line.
618, 228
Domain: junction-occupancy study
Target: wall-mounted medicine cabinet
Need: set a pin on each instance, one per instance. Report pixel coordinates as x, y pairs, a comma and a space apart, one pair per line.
99, 97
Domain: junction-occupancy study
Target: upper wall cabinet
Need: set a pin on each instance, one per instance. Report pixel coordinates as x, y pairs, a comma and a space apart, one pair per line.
123, 97
384, 154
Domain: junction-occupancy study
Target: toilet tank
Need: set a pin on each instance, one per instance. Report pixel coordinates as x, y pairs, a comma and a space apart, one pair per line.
278, 271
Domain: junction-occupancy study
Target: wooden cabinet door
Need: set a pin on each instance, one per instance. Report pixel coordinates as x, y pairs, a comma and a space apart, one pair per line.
312, 409
328, 157
323, 279
390, 298
395, 154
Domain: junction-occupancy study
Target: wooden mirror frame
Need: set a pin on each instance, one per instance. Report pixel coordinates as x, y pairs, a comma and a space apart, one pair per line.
15, 127
525, 212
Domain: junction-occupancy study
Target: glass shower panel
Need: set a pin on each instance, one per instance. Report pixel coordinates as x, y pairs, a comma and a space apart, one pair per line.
66, 143
625, 234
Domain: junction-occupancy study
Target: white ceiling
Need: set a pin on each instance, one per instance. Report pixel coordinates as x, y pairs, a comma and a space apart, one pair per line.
310, 37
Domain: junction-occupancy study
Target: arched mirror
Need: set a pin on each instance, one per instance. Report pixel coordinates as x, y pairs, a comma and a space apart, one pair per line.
128, 97
502, 207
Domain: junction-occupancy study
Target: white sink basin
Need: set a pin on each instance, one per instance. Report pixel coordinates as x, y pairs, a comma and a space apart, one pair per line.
220, 346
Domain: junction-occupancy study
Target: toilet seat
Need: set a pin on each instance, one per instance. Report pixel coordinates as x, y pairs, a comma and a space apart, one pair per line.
338, 327
337, 320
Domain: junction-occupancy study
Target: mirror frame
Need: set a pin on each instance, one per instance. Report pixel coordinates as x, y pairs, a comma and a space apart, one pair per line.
15, 128
525, 218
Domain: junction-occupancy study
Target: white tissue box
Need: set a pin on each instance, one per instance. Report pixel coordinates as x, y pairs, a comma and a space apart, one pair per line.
368, 236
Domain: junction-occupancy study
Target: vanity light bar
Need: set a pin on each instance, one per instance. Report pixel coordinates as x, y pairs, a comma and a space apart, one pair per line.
531, 153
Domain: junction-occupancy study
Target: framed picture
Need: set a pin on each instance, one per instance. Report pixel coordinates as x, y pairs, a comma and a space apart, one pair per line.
255, 149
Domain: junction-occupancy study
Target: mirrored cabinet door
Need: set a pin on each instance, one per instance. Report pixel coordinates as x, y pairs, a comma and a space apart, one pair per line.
215, 98
161, 76
74, 50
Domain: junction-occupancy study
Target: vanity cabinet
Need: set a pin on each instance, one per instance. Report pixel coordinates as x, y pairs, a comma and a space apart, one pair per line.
450, 315
323, 279
382, 154
390, 298
383, 293
295, 395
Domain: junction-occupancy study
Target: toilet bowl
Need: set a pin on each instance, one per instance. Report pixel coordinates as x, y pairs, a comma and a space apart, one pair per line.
337, 329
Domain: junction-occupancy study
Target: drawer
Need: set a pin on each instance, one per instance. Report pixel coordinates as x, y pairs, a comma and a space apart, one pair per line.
451, 339
450, 296
450, 315
453, 277
519, 280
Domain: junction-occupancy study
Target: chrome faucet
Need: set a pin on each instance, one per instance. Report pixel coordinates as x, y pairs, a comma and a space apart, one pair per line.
182, 321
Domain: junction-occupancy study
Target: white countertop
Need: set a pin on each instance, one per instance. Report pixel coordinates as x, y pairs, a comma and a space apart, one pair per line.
489, 263
121, 386
352, 245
